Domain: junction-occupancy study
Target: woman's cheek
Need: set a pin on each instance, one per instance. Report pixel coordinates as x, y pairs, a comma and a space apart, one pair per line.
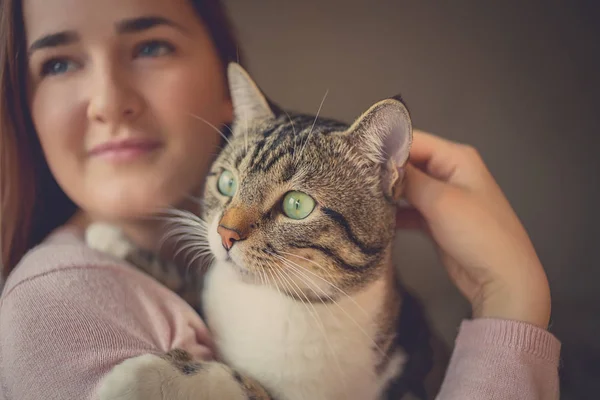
59, 117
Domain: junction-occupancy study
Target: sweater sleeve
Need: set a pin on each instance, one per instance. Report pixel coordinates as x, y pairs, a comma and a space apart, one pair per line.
61, 332
500, 359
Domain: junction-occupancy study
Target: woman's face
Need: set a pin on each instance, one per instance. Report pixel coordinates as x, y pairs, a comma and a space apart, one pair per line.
114, 86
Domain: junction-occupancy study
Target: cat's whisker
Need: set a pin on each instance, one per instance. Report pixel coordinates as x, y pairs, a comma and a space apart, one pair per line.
185, 248
214, 127
289, 287
316, 264
298, 268
202, 255
176, 212
314, 122
267, 278
281, 283
186, 221
300, 294
198, 239
237, 54
177, 223
246, 134
291, 122
308, 283
189, 234
294, 131
192, 232
295, 268
197, 200
325, 271
325, 280
261, 276
186, 254
185, 228
298, 265
319, 322
270, 271
346, 295
164, 239
273, 270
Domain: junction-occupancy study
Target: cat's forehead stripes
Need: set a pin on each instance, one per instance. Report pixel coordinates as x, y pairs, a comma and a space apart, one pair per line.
264, 149
287, 136
340, 166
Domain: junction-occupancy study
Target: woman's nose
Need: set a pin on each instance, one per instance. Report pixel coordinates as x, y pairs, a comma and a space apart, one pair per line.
113, 97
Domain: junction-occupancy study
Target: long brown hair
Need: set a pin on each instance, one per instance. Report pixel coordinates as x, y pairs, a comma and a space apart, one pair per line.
31, 202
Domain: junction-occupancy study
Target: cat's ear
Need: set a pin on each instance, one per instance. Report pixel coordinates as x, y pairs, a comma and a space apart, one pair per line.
383, 134
248, 101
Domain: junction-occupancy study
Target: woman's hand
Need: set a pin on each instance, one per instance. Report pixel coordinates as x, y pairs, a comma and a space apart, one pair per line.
481, 241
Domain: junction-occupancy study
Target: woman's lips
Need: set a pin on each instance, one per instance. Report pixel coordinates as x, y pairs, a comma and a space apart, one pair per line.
125, 149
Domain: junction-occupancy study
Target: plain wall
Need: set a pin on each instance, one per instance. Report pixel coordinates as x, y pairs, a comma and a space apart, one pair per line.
518, 80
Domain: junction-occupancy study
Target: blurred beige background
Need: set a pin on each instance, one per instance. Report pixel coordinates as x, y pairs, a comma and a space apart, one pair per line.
518, 80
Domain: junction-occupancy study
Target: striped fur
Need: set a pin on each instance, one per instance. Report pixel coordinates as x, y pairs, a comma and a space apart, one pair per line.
323, 285
336, 255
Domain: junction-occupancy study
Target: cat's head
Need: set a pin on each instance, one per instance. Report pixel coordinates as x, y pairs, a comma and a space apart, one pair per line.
308, 204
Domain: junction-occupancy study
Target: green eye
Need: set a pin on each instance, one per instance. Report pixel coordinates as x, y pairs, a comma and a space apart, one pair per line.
298, 205
227, 184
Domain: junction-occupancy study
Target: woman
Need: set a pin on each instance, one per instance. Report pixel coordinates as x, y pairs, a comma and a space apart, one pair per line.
95, 125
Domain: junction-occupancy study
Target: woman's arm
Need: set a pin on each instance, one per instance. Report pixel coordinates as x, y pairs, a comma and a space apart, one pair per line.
502, 359
506, 351
61, 332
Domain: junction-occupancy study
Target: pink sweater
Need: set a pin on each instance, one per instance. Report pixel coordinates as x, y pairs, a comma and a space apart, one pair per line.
68, 314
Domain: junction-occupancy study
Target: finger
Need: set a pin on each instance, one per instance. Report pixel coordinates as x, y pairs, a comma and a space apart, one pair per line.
409, 218
449, 161
424, 145
424, 192
434, 155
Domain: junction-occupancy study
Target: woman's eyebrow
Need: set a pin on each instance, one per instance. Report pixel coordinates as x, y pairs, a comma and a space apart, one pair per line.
53, 40
132, 25
139, 24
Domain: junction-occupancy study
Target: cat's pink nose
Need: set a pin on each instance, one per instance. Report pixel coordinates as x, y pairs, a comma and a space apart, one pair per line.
228, 236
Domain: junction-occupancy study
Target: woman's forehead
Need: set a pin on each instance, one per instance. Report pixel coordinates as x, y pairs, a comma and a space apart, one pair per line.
92, 17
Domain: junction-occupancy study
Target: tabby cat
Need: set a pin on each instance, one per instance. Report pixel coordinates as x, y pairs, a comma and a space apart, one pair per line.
301, 297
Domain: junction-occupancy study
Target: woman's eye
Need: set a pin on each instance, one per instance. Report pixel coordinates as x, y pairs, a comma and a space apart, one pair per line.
154, 49
298, 205
57, 67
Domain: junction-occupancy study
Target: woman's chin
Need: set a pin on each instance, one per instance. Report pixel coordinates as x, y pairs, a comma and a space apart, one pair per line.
129, 205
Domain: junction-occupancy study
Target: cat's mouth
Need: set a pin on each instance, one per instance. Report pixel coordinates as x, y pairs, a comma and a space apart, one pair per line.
244, 273
234, 260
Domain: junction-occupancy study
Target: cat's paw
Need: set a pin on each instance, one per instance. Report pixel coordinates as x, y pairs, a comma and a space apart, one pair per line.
175, 376
135, 378
108, 239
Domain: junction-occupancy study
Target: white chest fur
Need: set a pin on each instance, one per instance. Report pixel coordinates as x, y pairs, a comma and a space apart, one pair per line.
298, 351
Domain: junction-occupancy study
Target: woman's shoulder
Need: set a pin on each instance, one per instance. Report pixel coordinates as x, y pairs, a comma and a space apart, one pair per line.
68, 309
63, 250
63, 279
63, 271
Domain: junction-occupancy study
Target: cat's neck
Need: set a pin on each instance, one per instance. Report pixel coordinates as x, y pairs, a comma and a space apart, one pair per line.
340, 339
366, 305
